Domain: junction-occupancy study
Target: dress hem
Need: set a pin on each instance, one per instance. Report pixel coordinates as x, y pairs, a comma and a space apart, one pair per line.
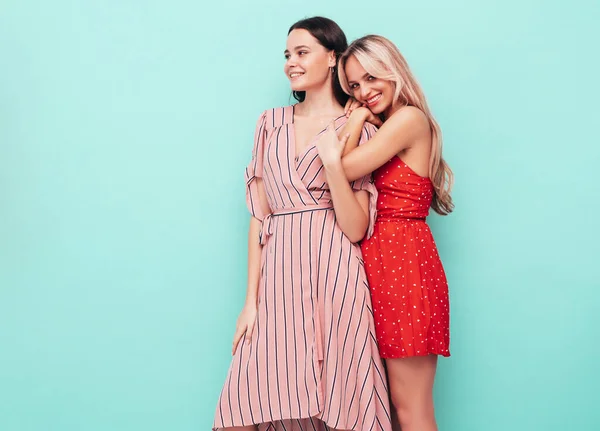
275, 419
443, 354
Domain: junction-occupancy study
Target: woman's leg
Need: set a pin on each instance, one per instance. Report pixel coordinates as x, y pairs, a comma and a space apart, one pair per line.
411, 391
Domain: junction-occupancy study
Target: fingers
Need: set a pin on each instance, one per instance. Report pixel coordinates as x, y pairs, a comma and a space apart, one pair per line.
351, 107
348, 107
239, 332
249, 332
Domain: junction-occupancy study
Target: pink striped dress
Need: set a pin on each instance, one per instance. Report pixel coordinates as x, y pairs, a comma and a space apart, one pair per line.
313, 362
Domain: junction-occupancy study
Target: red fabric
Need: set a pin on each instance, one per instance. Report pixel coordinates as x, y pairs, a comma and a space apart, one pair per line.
408, 285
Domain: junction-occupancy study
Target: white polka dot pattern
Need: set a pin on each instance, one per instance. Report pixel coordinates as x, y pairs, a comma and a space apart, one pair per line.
408, 285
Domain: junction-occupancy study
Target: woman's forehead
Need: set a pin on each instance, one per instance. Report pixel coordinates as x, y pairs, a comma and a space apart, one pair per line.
301, 37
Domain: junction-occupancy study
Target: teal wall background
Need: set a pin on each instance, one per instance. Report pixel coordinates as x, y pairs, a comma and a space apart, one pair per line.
125, 127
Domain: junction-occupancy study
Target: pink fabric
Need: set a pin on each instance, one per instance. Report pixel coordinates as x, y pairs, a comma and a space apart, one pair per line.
313, 363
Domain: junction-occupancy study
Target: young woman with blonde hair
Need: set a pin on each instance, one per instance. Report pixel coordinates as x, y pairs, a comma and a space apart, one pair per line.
407, 281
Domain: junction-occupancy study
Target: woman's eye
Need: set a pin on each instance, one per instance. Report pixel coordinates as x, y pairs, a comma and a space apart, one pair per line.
287, 56
354, 86
302, 52
371, 78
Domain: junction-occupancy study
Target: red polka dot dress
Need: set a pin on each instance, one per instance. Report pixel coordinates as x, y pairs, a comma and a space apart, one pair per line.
408, 285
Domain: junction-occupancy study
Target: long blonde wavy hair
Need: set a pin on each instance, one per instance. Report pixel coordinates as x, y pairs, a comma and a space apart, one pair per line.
382, 59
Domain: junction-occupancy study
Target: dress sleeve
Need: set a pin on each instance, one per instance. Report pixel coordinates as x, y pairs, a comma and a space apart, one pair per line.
255, 169
366, 183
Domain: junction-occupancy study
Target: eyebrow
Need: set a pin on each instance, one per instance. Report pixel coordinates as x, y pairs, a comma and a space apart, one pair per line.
296, 48
362, 77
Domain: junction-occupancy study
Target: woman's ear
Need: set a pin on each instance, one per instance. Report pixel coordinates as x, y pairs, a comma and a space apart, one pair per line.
332, 59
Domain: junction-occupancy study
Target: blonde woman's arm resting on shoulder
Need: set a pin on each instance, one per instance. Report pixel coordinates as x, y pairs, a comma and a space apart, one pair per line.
396, 134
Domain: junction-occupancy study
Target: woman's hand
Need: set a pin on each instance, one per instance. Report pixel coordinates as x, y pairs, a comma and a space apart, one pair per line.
367, 115
330, 147
351, 105
245, 325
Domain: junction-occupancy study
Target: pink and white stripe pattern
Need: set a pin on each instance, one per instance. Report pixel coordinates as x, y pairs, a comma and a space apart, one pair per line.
313, 363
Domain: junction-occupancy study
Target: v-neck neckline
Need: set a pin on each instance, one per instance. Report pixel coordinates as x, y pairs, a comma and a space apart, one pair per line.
311, 142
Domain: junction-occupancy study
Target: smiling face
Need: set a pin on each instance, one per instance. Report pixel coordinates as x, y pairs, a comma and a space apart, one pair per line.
307, 63
376, 93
